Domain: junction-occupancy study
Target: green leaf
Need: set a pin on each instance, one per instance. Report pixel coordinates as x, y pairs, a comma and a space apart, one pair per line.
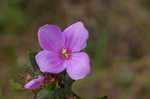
60, 93
45, 94
15, 86
51, 86
32, 60
68, 81
104, 97
65, 79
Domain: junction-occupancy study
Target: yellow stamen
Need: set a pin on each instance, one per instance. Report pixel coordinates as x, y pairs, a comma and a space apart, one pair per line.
64, 51
65, 54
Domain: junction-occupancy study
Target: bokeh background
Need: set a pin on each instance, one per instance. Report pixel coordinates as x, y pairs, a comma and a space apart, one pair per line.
118, 45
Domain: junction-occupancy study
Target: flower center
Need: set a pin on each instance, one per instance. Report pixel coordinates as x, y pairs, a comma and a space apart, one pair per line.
64, 54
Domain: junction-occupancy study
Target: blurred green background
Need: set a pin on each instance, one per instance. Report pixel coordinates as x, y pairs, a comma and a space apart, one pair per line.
118, 45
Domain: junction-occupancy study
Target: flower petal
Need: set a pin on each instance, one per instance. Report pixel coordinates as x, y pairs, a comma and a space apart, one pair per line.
49, 62
76, 37
35, 83
51, 38
78, 66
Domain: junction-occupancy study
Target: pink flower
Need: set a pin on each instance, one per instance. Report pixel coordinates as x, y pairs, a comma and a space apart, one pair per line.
62, 50
35, 83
